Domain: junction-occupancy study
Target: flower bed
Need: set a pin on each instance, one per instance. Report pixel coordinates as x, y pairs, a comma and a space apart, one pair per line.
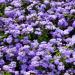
37, 37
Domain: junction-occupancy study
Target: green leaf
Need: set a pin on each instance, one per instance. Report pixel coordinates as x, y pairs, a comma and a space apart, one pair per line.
2, 7
63, 60
1, 14
69, 16
57, 53
44, 36
52, 60
2, 36
32, 36
40, 68
21, 37
6, 73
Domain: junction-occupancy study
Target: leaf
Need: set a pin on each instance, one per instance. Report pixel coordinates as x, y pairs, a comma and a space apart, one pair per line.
24, 6
52, 60
1, 14
69, 16
57, 53
2, 7
20, 37
44, 36
40, 68
6, 73
32, 36
2, 36
63, 60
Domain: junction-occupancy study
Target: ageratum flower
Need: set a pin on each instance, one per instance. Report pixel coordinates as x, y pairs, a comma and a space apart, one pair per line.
73, 24
16, 3
37, 37
72, 11
1, 62
9, 12
60, 66
62, 22
9, 39
2, 1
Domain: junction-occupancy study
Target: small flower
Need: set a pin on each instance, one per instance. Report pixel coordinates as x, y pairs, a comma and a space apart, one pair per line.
66, 73
35, 63
16, 3
72, 11
72, 40
12, 64
61, 67
21, 17
2, 1
9, 39
62, 22
46, 1
9, 11
2, 63
30, 29
6, 67
73, 24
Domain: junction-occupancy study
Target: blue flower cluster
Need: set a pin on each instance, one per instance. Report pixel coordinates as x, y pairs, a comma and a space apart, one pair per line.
37, 37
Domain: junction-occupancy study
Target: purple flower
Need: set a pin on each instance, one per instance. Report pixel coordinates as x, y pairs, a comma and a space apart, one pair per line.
31, 53
70, 60
56, 61
21, 24
6, 67
35, 63
46, 2
12, 64
72, 40
21, 17
47, 58
52, 17
16, 3
44, 64
9, 12
38, 33
61, 67
23, 67
62, 22
66, 73
9, 39
2, 1
73, 24
72, 11
1, 62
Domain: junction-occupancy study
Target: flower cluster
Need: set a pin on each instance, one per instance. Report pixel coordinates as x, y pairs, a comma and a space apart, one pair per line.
37, 37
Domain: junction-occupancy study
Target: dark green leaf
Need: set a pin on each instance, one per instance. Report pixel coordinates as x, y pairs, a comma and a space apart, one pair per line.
6, 73
40, 68
21, 37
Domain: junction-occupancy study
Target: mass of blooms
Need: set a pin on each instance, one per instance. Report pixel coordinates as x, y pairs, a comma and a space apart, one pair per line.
37, 37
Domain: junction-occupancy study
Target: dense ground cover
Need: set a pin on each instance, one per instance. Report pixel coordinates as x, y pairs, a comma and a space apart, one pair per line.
37, 37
